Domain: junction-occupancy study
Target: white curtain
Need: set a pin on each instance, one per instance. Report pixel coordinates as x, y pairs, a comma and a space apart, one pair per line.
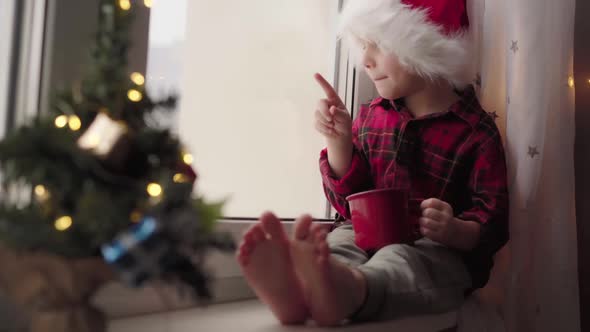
524, 66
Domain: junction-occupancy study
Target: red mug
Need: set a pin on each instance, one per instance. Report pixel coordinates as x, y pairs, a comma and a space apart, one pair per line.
384, 216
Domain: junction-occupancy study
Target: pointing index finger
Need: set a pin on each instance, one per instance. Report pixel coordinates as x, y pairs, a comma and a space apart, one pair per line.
328, 89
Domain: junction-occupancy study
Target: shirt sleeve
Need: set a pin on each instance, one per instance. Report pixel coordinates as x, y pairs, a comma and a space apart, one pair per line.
489, 192
357, 179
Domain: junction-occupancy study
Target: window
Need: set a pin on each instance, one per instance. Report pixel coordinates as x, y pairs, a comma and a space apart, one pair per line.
22, 26
243, 70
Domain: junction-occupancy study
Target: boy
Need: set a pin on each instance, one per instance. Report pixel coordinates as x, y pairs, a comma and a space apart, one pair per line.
422, 135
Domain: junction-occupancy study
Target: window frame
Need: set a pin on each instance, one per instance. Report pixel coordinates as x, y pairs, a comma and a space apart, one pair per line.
9, 29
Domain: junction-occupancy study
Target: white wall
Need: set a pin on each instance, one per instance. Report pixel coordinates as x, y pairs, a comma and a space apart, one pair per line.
248, 99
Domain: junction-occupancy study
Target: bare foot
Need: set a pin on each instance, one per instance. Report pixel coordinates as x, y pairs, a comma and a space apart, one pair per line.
266, 262
333, 291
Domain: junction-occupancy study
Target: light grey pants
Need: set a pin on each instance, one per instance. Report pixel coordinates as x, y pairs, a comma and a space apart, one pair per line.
404, 280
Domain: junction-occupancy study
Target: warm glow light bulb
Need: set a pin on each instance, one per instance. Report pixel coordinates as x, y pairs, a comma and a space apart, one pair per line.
125, 4
134, 95
154, 189
180, 178
61, 121
137, 78
187, 158
74, 123
63, 223
40, 190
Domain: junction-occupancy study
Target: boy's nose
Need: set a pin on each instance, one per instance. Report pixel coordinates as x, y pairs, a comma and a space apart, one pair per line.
368, 60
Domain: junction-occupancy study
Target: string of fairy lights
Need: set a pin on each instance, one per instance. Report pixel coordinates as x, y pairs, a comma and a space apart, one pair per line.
74, 123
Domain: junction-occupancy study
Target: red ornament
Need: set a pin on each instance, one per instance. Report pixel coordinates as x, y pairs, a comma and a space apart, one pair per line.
187, 170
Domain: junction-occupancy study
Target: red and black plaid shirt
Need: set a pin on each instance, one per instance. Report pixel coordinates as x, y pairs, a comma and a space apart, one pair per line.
455, 156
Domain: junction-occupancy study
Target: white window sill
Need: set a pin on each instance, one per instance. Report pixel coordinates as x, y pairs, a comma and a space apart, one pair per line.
234, 308
252, 316
159, 308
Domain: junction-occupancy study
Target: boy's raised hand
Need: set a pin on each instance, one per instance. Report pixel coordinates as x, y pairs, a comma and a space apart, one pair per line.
331, 117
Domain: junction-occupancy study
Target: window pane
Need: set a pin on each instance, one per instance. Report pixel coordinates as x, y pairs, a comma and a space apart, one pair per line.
248, 99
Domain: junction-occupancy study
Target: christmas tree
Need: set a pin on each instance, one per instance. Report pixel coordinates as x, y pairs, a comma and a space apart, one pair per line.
98, 171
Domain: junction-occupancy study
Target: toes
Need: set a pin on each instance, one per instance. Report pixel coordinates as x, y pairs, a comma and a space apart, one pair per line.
323, 254
248, 238
318, 232
323, 249
302, 227
272, 226
251, 238
318, 235
242, 258
253, 234
257, 233
243, 253
245, 249
319, 240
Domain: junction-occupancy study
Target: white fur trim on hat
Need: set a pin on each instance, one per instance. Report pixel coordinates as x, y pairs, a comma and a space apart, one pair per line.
397, 28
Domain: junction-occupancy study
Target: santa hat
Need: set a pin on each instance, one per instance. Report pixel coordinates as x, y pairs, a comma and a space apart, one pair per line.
428, 36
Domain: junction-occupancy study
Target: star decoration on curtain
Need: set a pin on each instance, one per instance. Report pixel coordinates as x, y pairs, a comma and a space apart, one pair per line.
477, 80
533, 151
493, 115
514, 46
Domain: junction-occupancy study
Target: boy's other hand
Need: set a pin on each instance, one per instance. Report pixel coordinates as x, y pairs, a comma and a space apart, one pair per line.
437, 221
331, 117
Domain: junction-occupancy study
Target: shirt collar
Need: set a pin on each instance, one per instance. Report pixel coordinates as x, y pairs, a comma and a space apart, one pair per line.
467, 108
385, 103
